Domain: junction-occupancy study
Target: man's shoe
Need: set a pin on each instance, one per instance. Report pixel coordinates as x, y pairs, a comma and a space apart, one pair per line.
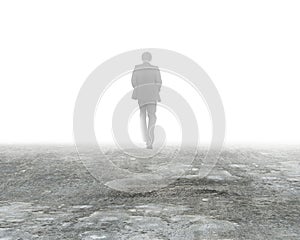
149, 147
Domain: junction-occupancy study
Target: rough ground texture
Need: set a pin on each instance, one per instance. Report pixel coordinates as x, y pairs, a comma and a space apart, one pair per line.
47, 193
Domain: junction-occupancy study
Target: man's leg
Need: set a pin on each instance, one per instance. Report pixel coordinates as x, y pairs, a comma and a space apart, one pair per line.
151, 110
143, 122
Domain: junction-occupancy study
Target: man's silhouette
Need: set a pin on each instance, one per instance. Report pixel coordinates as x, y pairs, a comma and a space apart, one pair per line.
146, 82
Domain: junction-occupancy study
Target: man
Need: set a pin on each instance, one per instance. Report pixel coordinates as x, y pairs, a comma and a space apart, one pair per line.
146, 81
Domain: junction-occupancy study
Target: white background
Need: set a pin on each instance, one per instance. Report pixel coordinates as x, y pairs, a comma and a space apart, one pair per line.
250, 49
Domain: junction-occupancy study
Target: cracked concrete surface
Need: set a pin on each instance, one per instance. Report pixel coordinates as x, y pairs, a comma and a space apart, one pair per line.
252, 193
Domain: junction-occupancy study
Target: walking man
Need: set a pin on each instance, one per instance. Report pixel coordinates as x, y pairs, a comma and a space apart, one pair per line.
146, 81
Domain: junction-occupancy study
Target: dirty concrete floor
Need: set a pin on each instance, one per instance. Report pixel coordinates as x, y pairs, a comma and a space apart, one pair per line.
47, 193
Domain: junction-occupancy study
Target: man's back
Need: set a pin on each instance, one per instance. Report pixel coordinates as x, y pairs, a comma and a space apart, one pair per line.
146, 81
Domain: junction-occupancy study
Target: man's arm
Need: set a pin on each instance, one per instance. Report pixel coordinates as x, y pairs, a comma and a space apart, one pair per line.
158, 79
134, 78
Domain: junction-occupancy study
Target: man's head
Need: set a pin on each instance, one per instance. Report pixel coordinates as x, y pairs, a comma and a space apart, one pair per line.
146, 57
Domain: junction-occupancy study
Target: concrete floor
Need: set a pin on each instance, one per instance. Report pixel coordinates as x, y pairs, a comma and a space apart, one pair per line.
47, 193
